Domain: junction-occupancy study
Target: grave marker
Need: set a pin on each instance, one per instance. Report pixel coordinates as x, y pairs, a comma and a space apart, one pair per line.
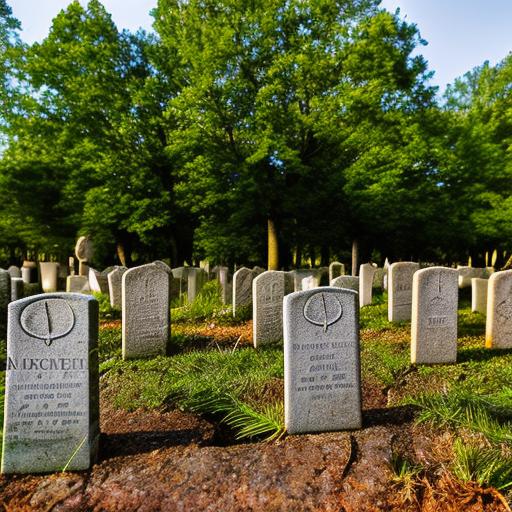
348, 282
498, 327
49, 276
479, 295
5, 298
17, 288
366, 273
242, 288
336, 269
114, 279
400, 290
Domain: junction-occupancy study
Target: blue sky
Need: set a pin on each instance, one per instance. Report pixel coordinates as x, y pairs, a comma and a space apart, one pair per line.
461, 34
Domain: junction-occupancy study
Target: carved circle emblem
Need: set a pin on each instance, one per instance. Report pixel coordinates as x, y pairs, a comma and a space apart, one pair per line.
48, 319
323, 309
504, 309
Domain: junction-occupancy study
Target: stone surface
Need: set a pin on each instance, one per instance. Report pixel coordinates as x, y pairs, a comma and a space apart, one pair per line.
242, 288
5, 298
197, 277
14, 271
114, 279
321, 361
29, 272
336, 269
84, 249
400, 290
49, 276
17, 287
498, 328
98, 281
51, 402
77, 284
308, 283
222, 274
385, 278
467, 273
366, 273
378, 278
479, 295
434, 315
181, 273
146, 310
268, 290
348, 282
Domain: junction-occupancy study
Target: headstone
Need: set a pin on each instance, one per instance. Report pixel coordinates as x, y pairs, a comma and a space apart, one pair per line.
197, 277
434, 315
223, 280
77, 284
467, 273
51, 404
299, 275
17, 287
146, 310
336, 269
29, 272
366, 273
62, 275
242, 288
498, 328
258, 270
308, 283
71, 266
98, 281
321, 361
385, 278
84, 251
378, 278
348, 282
114, 279
181, 273
400, 290
268, 290
479, 295
5, 298
49, 276
14, 271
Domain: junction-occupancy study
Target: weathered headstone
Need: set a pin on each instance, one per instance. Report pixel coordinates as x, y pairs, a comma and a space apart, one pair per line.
98, 281
378, 278
308, 283
321, 361
77, 284
84, 251
498, 328
146, 310
348, 282
71, 266
467, 273
258, 270
197, 277
222, 274
242, 288
14, 271
336, 269
268, 290
366, 273
479, 295
181, 273
114, 279
435, 299
385, 278
299, 275
29, 272
400, 290
17, 287
49, 276
5, 298
51, 404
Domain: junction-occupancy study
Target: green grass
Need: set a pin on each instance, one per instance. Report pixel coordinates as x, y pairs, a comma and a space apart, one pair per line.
107, 312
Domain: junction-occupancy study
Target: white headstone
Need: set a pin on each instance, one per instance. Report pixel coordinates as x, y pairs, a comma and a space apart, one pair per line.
17, 287
498, 329
479, 295
366, 274
400, 290
336, 269
51, 402
348, 282
98, 281
114, 279
467, 273
197, 277
321, 361
77, 284
242, 288
146, 310
14, 271
49, 274
434, 316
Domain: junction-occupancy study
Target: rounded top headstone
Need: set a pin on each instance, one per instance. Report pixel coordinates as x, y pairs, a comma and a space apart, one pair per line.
84, 248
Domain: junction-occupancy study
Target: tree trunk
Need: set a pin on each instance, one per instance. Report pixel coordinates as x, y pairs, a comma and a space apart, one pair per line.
273, 246
355, 257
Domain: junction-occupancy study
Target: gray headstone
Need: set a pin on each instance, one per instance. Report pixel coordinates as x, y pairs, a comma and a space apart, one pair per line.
378, 278
14, 271
242, 288
222, 274
5, 298
197, 278
258, 270
400, 290
17, 287
467, 273
434, 316
77, 284
268, 290
336, 269
348, 282
479, 295
366, 273
321, 361
498, 328
146, 310
98, 281
181, 273
114, 279
49, 276
51, 403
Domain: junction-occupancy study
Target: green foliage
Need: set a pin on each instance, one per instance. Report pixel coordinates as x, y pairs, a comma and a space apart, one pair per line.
107, 312
488, 467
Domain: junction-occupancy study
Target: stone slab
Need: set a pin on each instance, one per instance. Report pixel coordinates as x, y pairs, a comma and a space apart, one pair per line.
479, 295
434, 316
98, 281
498, 327
5, 298
348, 282
242, 288
336, 269
17, 288
51, 404
114, 279
322, 361
366, 274
49, 276
400, 290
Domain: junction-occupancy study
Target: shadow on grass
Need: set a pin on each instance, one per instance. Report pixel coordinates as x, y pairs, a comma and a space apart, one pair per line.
480, 354
389, 415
